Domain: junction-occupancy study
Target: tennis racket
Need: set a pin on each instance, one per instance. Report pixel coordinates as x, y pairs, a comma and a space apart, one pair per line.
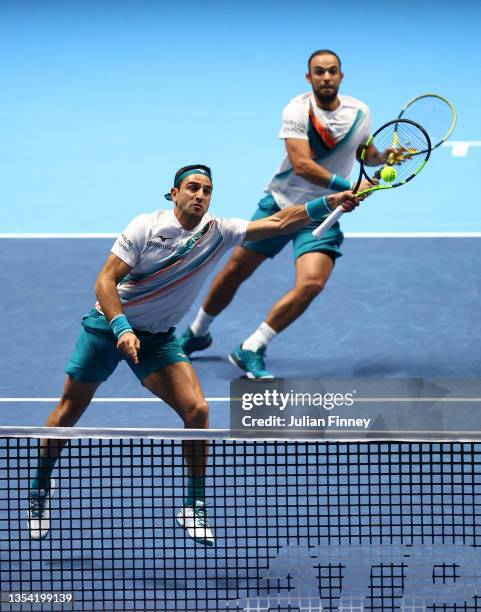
435, 113
392, 156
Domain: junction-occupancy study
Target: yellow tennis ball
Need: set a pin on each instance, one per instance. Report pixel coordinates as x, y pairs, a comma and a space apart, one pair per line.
388, 174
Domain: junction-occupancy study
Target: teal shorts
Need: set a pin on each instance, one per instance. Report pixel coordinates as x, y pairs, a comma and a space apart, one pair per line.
96, 356
303, 240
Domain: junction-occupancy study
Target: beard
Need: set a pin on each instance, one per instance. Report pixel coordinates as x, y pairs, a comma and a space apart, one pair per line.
326, 98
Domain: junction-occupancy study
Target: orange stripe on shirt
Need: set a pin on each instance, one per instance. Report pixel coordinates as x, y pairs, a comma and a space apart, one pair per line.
323, 131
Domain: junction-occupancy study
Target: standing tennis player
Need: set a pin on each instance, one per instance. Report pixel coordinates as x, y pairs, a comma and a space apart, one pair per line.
153, 274
322, 131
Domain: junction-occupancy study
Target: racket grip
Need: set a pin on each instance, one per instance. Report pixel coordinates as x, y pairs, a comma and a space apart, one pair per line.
328, 222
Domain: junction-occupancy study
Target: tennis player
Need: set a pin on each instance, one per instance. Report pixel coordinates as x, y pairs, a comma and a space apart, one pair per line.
323, 131
153, 274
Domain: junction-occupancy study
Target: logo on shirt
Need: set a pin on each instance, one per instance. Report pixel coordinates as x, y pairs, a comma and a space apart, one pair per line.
163, 238
295, 125
126, 240
160, 245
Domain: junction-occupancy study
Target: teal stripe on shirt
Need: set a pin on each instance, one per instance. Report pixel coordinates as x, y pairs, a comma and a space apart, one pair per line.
181, 254
164, 281
328, 152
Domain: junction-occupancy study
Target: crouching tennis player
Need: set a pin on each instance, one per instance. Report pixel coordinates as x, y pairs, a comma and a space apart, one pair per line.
151, 278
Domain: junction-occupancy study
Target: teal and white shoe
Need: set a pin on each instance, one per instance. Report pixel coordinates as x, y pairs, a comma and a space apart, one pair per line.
195, 522
252, 363
191, 343
38, 514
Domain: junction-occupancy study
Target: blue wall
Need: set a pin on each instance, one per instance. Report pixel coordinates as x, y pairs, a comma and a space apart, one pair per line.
102, 101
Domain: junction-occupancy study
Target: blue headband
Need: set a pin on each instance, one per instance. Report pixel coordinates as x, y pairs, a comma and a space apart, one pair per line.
182, 176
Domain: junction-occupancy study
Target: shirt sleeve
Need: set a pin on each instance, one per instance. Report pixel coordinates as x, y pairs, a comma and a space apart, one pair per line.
294, 122
130, 244
367, 126
233, 231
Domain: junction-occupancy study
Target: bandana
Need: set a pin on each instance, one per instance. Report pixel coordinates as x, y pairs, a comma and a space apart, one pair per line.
184, 175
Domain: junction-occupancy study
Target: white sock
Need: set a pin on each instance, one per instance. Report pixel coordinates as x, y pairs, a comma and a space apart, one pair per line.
261, 337
201, 323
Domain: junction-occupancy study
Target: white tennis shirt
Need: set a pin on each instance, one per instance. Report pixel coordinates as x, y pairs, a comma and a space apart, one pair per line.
169, 265
334, 137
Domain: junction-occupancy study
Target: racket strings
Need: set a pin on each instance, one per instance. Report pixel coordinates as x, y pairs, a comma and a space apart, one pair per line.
403, 146
435, 114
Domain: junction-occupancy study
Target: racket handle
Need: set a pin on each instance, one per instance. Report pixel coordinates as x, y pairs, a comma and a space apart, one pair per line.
328, 222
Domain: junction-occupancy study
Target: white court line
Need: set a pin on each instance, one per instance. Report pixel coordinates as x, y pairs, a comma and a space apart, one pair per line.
460, 148
22, 400
67, 235
347, 234
413, 235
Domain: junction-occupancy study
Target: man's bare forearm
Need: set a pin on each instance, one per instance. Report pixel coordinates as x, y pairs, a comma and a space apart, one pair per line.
294, 218
108, 297
314, 173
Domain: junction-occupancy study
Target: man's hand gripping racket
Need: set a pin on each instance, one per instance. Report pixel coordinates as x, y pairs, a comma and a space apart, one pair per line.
393, 155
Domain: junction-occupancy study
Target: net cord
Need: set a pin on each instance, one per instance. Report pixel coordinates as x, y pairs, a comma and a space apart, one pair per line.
227, 434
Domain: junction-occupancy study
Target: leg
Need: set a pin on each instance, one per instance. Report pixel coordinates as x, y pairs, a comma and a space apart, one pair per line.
314, 264
94, 359
75, 399
312, 273
178, 385
241, 265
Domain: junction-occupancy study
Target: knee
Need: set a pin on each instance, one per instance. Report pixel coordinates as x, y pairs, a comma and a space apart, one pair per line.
311, 288
197, 415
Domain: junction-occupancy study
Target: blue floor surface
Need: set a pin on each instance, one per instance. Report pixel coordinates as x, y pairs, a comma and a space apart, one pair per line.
393, 307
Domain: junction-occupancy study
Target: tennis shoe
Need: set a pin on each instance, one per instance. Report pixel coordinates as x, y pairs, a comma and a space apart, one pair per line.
195, 522
39, 511
191, 343
251, 362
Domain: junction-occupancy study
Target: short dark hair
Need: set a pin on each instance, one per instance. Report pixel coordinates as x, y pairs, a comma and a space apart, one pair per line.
322, 52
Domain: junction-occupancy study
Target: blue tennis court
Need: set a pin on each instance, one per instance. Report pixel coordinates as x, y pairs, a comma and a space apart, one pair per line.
395, 307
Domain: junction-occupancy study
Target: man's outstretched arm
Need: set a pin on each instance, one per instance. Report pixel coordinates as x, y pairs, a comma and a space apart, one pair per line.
294, 218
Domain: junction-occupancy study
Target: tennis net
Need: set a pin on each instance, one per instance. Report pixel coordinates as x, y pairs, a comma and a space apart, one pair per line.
298, 525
